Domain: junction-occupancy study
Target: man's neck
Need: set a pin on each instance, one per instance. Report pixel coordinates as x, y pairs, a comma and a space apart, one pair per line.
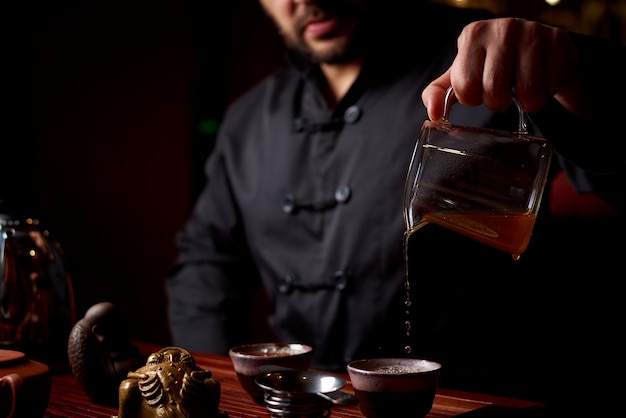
339, 79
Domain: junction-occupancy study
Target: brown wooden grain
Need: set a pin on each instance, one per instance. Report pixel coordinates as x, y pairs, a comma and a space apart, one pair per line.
67, 399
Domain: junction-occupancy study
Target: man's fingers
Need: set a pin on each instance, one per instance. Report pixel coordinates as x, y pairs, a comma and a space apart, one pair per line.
434, 95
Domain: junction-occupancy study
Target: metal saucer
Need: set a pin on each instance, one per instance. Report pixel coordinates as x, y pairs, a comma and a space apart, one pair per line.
298, 393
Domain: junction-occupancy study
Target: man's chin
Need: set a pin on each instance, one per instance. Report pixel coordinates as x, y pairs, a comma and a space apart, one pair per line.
329, 51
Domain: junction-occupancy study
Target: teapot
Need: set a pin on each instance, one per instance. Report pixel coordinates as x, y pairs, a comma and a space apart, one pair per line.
24, 386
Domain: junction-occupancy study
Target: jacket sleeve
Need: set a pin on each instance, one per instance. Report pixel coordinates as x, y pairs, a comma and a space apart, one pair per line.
212, 281
592, 150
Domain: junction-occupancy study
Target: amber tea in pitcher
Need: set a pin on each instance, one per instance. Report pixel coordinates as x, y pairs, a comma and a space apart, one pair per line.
482, 183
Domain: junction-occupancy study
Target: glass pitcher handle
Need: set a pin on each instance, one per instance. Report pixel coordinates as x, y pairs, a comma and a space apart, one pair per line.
450, 100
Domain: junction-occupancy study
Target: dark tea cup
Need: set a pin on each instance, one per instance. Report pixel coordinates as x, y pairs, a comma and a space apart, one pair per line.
394, 387
248, 358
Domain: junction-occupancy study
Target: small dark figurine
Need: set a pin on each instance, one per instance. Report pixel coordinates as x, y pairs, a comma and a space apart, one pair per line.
170, 385
100, 353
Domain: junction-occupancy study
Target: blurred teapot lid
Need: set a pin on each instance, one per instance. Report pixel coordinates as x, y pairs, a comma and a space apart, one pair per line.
10, 357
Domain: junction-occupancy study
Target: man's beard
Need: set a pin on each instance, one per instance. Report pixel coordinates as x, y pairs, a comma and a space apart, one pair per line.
344, 50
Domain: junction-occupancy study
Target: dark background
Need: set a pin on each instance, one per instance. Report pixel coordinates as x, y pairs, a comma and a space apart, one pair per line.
111, 109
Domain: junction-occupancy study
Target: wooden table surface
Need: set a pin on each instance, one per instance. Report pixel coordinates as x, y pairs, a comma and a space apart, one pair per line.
68, 400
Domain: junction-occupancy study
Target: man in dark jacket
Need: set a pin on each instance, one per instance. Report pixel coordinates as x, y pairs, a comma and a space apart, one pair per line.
304, 198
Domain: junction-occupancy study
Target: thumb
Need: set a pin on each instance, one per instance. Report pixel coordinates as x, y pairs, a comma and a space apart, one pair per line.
434, 95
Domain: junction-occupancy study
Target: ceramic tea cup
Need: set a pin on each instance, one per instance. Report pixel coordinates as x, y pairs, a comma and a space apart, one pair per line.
248, 358
394, 387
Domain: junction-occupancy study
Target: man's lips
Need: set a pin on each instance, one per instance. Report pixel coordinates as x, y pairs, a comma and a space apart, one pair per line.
320, 27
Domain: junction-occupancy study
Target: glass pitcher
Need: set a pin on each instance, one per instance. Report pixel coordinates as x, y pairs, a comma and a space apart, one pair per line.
37, 309
482, 183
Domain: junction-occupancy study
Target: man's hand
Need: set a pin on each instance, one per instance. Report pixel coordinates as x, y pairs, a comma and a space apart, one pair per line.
497, 56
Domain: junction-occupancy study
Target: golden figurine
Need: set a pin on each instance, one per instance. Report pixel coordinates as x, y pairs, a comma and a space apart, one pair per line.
170, 385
